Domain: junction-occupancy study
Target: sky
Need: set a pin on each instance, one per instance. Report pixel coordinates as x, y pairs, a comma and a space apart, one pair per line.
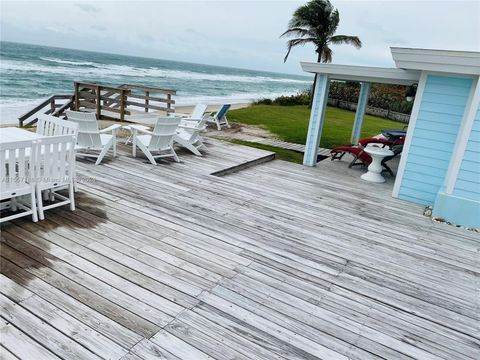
241, 34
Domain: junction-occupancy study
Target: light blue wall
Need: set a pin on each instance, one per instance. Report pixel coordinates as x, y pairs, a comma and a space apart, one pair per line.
441, 111
463, 205
468, 179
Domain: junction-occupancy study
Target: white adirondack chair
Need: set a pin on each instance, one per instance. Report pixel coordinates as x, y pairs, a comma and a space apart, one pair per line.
49, 125
54, 170
197, 112
90, 138
220, 118
188, 135
17, 163
159, 140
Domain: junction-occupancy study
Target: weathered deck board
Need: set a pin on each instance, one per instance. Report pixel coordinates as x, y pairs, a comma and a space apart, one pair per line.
276, 261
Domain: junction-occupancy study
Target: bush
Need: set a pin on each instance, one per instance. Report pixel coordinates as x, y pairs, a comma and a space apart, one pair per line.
263, 102
302, 98
383, 96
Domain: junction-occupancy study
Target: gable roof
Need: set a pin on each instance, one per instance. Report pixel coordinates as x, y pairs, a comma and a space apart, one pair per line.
458, 62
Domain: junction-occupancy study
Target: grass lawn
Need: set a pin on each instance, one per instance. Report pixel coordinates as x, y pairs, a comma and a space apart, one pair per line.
290, 123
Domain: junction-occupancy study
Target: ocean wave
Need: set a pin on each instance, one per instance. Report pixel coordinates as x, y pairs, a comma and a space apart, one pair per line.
237, 98
68, 62
105, 70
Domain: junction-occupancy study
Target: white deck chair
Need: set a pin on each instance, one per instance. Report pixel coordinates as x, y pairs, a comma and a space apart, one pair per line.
159, 140
188, 135
91, 138
220, 118
49, 125
197, 112
17, 177
54, 170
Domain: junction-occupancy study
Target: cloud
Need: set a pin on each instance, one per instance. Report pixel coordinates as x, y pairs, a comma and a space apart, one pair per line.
89, 8
98, 28
195, 32
146, 38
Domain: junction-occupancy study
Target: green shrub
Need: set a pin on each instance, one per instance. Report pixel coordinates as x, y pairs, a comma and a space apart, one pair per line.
302, 98
264, 101
383, 96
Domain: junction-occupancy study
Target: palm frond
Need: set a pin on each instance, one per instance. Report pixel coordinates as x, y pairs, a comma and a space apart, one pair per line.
297, 31
345, 39
333, 21
295, 42
326, 54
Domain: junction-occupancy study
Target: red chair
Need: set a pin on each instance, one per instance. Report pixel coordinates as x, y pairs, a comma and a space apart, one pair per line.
360, 157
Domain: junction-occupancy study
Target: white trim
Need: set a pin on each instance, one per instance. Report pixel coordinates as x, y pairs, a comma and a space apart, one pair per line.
315, 128
459, 62
363, 73
463, 136
411, 129
360, 113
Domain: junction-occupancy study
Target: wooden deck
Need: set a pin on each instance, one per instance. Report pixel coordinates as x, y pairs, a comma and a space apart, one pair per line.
276, 261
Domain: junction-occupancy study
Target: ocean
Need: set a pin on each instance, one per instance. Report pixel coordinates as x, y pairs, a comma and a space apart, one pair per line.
31, 73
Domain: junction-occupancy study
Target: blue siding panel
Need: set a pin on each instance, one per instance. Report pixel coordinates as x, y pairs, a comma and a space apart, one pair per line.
433, 126
468, 179
438, 121
471, 156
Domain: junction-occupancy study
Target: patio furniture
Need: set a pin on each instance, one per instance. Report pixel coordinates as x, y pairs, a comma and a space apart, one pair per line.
10, 134
395, 134
377, 154
220, 118
360, 157
54, 170
90, 138
17, 177
49, 125
188, 135
197, 112
159, 140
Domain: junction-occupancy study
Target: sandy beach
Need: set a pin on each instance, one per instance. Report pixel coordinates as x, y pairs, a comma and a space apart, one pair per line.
142, 115
211, 108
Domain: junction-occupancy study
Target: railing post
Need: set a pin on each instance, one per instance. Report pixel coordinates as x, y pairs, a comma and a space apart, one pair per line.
147, 94
52, 105
122, 105
98, 104
169, 105
76, 104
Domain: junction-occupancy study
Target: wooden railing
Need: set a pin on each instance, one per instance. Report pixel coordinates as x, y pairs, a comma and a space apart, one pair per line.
150, 96
107, 100
51, 106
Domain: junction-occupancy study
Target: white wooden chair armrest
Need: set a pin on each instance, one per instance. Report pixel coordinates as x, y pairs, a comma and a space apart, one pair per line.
130, 127
87, 132
188, 126
140, 129
177, 114
111, 128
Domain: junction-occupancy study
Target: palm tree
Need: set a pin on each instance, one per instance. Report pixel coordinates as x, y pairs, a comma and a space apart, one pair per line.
316, 22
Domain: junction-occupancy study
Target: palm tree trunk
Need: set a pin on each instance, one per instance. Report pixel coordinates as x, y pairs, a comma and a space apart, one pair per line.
319, 59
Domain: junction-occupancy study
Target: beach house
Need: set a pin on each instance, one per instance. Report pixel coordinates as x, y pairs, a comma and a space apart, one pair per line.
440, 163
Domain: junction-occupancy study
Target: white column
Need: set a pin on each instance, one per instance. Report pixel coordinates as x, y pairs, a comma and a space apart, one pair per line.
361, 107
317, 118
463, 136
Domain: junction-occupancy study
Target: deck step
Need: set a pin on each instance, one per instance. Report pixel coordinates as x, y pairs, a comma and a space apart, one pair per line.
245, 165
